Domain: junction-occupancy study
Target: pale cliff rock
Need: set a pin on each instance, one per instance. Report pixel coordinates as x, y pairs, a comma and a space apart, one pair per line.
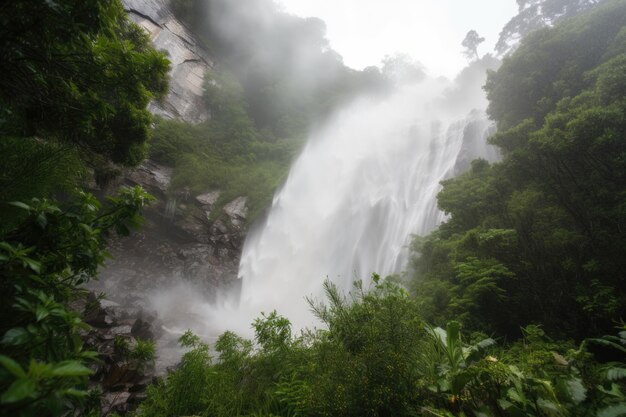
189, 61
237, 211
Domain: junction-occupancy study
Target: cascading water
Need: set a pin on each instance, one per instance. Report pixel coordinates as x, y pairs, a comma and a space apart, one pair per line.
362, 186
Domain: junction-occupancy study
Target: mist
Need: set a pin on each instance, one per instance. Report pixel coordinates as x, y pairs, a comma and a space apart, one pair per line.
365, 182
379, 142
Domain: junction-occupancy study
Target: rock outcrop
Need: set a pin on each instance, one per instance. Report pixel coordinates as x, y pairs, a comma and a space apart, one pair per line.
180, 240
186, 240
189, 61
115, 332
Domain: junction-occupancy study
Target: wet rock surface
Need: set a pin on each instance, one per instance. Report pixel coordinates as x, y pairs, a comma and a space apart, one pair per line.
115, 331
180, 244
189, 61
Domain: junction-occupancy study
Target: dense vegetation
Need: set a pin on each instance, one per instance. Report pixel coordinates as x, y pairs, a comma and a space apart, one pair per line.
43, 264
525, 279
536, 14
539, 237
377, 357
76, 79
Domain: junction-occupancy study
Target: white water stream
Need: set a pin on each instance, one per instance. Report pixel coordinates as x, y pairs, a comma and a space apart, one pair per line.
362, 186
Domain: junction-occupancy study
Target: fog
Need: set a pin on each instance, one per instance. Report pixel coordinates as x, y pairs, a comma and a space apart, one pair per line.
363, 32
366, 181
380, 142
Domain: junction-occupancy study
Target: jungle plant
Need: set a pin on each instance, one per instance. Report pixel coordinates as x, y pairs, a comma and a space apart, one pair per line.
43, 263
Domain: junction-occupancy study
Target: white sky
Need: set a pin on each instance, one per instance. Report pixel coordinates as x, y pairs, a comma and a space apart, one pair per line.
431, 31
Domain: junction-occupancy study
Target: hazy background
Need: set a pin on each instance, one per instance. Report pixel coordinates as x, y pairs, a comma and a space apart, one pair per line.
431, 31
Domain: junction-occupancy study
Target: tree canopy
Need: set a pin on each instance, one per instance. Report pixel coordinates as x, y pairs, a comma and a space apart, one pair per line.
536, 14
78, 72
537, 237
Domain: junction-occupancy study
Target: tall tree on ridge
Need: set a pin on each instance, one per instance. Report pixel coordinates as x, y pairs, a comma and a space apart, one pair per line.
470, 43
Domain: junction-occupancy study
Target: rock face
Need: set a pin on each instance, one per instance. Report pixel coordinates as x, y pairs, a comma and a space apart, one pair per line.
475, 135
189, 61
153, 177
180, 240
115, 331
208, 199
237, 209
186, 241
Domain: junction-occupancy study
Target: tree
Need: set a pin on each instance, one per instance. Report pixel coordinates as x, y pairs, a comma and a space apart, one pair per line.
401, 68
470, 43
536, 14
538, 237
78, 72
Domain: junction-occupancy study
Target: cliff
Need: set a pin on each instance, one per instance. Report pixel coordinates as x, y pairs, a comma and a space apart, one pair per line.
189, 60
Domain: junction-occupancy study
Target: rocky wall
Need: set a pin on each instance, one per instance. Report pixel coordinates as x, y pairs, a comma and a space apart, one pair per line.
189, 60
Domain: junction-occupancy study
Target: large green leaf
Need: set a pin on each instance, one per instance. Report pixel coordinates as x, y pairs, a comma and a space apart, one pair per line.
576, 390
549, 407
614, 374
33, 264
71, 368
41, 312
19, 390
19, 204
15, 336
12, 366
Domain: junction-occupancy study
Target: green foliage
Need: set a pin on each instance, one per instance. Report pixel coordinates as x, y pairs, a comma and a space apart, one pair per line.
552, 64
121, 346
78, 72
143, 351
376, 357
31, 168
537, 14
272, 332
538, 237
76, 80
42, 263
227, 153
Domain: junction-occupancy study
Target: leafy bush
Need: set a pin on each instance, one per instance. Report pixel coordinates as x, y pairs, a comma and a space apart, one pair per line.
34, 168
80, 73
144, 351
43, 263
376, 357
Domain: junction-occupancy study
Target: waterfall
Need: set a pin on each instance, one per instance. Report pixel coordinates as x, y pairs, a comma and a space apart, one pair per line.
362, 186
